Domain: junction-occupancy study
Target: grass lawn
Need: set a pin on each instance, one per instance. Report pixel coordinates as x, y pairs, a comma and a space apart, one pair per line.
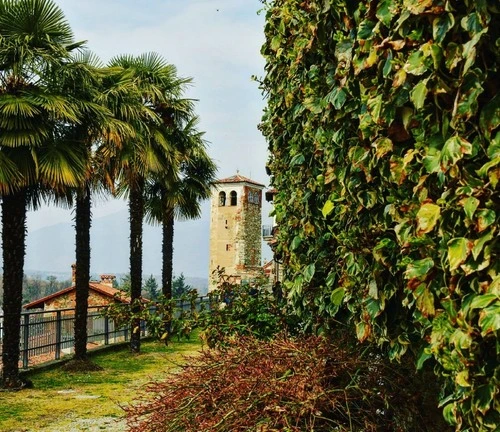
90, 401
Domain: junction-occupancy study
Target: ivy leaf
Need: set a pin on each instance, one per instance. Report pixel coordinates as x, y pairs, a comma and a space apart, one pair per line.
367, 198
453, 150
462, 378
483, 396
385, 12
490, 115
449, 413
441, 26
458, 250
419, 268
424, 355
479, 244
416, 64
461, 339
327, 208
425, 303
416, 7
481, 301
295, 242
336, 97
309, 272
337, 296
489, 319
485, 218
470, 205
382, 147
365, 29
298, 159
363, 331
427, 218
418, 94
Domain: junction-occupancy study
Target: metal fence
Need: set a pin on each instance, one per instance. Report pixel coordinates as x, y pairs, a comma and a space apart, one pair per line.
49, 334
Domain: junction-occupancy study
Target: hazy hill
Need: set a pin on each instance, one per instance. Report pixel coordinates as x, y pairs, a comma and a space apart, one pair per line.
51, 250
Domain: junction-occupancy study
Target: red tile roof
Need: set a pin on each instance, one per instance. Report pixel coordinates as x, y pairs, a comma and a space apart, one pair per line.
105, 290
239, 179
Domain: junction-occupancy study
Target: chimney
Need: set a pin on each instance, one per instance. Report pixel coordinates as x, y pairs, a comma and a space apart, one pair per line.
107, 279
73, 273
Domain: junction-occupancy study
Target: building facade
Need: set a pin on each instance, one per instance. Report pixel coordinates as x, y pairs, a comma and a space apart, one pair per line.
235, 229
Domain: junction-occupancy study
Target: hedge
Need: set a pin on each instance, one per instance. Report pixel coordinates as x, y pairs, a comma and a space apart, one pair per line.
382, 121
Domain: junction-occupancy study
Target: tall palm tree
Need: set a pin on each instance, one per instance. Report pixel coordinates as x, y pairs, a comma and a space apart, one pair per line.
155, 86
96, 126
35, 42
177, 193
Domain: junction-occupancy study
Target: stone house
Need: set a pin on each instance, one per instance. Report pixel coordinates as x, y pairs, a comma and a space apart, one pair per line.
100, 294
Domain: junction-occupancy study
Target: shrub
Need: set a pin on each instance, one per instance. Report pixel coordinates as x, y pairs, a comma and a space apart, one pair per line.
244, 310
285, 385
383, 126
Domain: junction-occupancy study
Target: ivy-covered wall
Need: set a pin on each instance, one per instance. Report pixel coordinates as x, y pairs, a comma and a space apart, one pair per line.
383, 126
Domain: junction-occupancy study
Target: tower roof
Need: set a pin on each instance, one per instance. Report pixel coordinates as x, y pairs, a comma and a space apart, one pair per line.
239, 179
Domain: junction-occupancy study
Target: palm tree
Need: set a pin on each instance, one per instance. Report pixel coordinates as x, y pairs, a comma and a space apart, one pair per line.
156, 87
35, 42
96, 127
177, 194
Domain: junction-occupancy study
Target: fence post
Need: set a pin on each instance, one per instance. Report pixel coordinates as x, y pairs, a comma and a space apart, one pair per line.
26, 339
106, 330
58, 334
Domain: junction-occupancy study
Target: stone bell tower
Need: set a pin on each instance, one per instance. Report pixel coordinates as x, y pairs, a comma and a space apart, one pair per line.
235, 228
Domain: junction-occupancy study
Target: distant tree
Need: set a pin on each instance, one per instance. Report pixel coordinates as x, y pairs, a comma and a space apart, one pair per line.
125, 284
179, 286
150, 288
52, 285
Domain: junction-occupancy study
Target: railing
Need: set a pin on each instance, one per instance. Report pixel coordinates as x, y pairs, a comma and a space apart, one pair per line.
49, 334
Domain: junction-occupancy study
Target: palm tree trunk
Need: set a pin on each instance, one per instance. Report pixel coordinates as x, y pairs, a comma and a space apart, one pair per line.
136, 214
13, 241
82, 240
167, 249
167, 253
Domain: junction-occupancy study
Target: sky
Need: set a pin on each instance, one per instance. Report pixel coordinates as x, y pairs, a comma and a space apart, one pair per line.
215, 42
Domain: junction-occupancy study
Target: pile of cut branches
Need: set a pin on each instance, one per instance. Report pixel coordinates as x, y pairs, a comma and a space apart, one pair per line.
305, 384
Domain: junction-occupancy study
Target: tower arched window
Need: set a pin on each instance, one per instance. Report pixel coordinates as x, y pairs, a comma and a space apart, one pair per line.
234, 198
222, 199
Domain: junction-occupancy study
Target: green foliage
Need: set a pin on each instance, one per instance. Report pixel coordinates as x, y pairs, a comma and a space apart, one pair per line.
179, 286
151, 288
238, 310
383, 128
34, 287
164, 318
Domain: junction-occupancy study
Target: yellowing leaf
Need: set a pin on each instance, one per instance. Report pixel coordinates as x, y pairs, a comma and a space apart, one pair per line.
458, 250
427, 217
485, 218
416, 7
425, 303
327, 208
382, 147
462, 378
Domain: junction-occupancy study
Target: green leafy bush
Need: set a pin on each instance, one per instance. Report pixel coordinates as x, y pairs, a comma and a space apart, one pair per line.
238, 310
383, 127
285, 384
164, 318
